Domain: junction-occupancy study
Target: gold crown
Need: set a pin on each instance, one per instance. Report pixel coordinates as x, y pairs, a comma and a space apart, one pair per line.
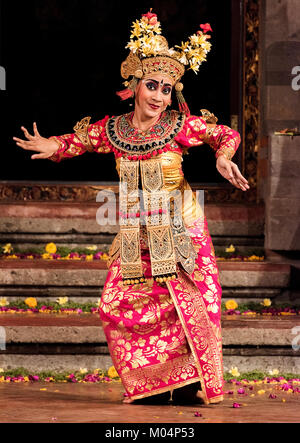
134, 66
149, 50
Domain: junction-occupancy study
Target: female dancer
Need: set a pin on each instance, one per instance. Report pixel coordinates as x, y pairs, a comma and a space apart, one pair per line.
161, 304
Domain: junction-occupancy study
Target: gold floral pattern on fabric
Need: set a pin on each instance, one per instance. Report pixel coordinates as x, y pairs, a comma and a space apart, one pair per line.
170, 374
81, 130
204, 344
222, 139
145, 335
155, 326
200, 130
71, 145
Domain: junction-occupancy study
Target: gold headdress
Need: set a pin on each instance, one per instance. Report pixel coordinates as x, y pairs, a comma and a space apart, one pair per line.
150, 53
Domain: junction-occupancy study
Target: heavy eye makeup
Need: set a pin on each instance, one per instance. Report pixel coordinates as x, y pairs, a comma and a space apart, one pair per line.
153, 86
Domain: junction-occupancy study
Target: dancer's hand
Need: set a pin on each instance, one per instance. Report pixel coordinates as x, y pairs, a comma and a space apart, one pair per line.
45, 147
231, 172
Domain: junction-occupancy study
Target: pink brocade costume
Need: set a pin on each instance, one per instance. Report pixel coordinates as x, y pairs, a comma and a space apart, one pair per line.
165, 336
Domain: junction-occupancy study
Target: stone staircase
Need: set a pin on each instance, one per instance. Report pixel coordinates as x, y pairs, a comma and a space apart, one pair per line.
34, 224
62, 342
83, 281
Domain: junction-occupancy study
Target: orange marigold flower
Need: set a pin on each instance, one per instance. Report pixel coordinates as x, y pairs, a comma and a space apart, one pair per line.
31, 302
112, 373
231, 304
51, 248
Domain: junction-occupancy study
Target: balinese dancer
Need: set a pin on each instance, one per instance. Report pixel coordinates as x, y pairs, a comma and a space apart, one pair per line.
161, 304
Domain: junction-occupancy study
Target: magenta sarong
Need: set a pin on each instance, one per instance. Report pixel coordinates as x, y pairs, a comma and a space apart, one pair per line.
163, 337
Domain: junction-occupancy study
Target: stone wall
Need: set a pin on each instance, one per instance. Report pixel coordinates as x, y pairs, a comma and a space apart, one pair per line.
280, 88
280, 109
280, 40
282, 199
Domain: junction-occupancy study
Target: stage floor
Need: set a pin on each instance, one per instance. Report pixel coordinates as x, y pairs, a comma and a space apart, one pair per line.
102, 403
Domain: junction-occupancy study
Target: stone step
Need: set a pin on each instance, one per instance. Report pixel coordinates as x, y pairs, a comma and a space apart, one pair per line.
83, 281
228, 220
51, 342
29, 242
84, 294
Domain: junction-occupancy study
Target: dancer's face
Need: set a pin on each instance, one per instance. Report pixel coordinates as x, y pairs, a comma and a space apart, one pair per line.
153, 95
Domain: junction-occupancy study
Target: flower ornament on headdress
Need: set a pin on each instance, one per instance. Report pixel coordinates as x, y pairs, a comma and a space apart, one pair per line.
150, 53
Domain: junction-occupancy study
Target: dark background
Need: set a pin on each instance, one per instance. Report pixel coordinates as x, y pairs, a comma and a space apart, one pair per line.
62, 60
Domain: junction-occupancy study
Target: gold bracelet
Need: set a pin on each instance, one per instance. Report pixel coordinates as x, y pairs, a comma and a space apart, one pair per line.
226, 152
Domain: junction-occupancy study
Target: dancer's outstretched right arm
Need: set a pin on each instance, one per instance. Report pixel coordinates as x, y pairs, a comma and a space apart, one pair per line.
87, 137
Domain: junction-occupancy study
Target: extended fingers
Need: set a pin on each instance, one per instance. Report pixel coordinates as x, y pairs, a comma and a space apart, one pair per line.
35, 130
236, 178
234, 182
28, 146
243, 183
238, 183
40, 157
239, 175
26, 133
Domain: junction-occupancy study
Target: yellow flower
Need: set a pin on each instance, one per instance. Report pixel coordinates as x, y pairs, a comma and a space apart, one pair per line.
31, 302
92, 248
1, 370
234, 372
51, 248
267, 302
136, 31
261, 392
230, 249
46, 256
112, 373
231, 304
134, 46
7, 249
89, 257
3, 303
83, 371
105, 257
195, 67
274, 372
62, 301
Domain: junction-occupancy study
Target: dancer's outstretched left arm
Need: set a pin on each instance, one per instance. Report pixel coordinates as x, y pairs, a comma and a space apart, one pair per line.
224, 141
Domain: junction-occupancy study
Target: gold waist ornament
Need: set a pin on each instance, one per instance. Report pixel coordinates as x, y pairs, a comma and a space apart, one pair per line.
168, 239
